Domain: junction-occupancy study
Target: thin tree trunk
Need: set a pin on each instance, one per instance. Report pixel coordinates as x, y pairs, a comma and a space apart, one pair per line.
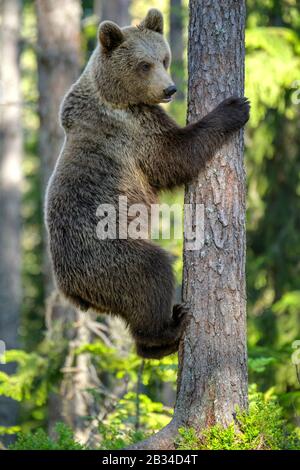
212, 378
176, 43
113, 10
11, 145
73, 403
58, 68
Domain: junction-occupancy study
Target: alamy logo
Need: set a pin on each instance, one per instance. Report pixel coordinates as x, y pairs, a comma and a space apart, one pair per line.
140, 222
296, 353
296, 357
2, 352
296, 94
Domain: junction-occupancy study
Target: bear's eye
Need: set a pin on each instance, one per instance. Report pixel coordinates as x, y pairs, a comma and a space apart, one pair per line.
145, 66
166, 62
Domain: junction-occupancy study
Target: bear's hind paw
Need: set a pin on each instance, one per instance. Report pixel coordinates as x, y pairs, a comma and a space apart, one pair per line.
179, 311
156, 352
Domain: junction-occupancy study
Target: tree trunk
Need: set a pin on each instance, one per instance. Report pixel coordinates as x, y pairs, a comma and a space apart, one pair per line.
113, 10
58, 68
212, 378
73, 403
11, 144
176, 43
214, 277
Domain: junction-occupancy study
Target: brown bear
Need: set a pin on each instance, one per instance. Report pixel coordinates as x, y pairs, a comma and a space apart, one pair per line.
120, 142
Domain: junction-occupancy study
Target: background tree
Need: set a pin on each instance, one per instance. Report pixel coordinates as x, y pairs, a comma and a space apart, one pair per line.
58, 69
176, 44
114, 10
49, 355
10, 189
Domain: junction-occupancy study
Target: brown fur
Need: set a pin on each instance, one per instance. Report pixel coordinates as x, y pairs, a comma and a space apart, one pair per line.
120, 142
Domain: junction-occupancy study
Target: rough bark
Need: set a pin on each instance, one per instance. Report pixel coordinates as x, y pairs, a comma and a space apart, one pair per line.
11, 144
214, 349
113, 10
176, 43
212, 377
58, 68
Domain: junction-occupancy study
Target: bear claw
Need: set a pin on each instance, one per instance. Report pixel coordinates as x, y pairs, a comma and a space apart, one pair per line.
179, 311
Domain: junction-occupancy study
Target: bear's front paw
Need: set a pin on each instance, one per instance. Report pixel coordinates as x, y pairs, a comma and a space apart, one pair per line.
234, 113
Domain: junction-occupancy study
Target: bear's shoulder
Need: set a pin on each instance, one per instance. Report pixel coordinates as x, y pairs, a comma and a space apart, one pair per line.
79, 106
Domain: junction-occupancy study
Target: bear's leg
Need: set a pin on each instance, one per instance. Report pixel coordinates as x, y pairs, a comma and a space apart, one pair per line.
79, 302
156, 352
164, 349
132, 279
167, 336
157, 326
137, 283
169, 333
179, 311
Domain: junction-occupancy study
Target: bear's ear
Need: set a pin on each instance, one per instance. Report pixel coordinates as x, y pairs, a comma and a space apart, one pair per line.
154, 21
110, 35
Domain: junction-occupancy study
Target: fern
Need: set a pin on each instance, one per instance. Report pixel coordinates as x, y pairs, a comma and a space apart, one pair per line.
262, 427
40, 441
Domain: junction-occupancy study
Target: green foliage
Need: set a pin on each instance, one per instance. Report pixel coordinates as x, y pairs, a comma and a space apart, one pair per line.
25, 384
37, 374
114, 438
260, 364
152, 415
126, 366
111, 438
125, 369
273, 224
40, 441
273, 270
9, 430
261, 428
266, 47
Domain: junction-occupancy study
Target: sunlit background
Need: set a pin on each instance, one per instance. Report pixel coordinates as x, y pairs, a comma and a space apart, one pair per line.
49, 351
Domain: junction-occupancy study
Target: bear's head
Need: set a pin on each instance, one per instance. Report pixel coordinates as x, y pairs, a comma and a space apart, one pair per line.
131, 65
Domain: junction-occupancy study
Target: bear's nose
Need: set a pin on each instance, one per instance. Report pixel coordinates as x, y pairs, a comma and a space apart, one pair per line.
170, 91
